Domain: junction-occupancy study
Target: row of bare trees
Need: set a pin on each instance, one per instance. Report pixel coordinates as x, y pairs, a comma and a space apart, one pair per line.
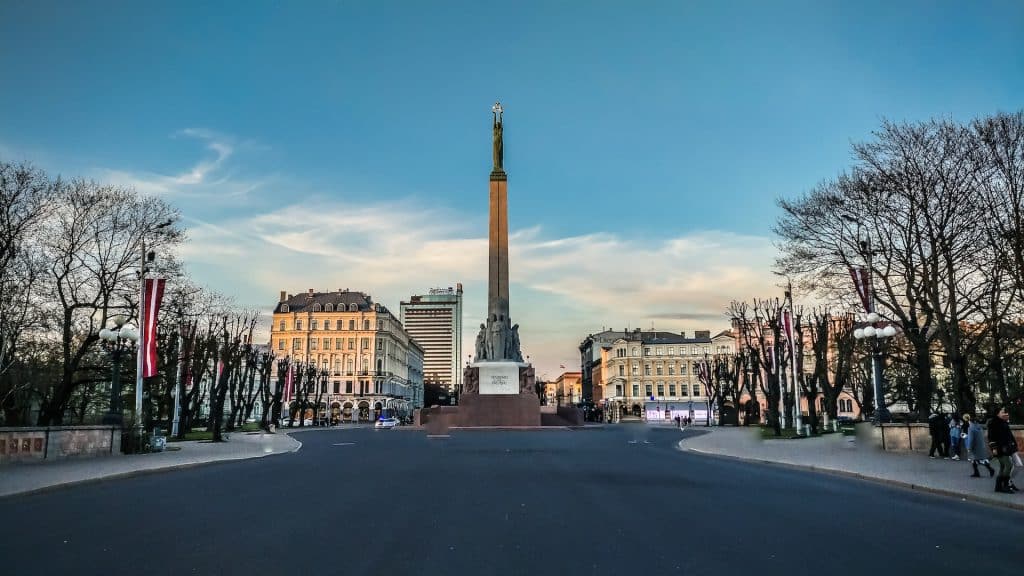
70, 259
935, 211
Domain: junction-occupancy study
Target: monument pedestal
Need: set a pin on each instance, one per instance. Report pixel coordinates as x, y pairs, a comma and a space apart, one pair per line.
493, 394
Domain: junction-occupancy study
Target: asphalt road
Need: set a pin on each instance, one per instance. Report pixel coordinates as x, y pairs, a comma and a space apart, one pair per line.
618, 500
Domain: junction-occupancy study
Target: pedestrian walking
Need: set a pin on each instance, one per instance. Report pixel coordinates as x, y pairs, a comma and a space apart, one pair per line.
937, 430
977, 451
954, 438
1004, 446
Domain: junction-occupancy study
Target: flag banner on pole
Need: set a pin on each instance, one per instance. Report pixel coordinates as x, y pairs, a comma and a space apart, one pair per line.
288, 383
860, 282
154, 293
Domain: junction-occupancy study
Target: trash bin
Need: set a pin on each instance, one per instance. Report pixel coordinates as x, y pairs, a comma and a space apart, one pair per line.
157, 442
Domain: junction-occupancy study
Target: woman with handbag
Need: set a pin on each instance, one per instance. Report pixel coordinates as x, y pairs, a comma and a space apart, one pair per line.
1004, 446
977, 451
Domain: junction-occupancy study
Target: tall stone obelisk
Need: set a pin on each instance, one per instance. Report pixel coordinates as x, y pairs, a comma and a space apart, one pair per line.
497, 286
498, 388
499, 338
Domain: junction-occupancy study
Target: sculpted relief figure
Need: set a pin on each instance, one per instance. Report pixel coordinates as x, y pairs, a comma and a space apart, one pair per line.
481, 343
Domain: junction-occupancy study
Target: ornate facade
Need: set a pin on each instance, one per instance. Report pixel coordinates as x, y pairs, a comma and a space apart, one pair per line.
373, 365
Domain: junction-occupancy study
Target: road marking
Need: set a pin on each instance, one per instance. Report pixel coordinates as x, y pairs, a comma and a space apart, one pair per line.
438, 435
343, 444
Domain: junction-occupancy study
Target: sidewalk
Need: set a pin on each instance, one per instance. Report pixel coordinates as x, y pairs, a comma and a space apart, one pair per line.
22, 478
847, 455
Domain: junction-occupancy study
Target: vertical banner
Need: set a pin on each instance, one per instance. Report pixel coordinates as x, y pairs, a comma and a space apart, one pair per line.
288, 383
863, 286
154, 293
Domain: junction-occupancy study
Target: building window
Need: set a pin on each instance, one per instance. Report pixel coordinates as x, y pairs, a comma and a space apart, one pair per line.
353, 307
298, 324
621, 352
339, 343
284, 307
636, 390
380, 325
647, 390
671, 351
351, 343
337, 386
296, 343
684, 390
337, 366
312, 324
366, 324
622, 370
316, 307
348, 386
658, 350
707, 349
661, 389
313, 343
696, 390
366, 365
696, 368
671, 370
364, 343
636, 351
647, 351
281, 326
647, 369
380, 343
338, 325
351, 366
671, 389
327, 343
280, 344
636, 370
351, 324
658, 370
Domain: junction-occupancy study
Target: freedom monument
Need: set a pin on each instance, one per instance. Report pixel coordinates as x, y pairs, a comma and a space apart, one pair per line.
498, 387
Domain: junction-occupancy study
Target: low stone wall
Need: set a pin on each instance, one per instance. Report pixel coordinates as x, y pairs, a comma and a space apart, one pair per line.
58, 442
914, 436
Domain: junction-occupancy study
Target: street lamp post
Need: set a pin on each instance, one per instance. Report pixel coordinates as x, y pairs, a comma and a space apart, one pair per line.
116, 341
147, 257
875, 332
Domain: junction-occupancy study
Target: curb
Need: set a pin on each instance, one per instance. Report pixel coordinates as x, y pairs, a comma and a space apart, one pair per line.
143, 472
848, 474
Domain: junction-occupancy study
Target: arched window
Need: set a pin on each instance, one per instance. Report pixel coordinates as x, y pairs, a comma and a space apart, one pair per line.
353, 307
328, 307
316, 307
284, 307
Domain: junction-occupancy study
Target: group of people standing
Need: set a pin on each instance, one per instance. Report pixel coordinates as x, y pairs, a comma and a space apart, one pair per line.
950, 433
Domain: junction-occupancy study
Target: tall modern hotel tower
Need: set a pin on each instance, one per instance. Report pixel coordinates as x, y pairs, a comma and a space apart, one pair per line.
434, 320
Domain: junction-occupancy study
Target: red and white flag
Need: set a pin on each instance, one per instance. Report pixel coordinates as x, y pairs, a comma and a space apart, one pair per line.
154, 293
863, 286
787, 325
289, 382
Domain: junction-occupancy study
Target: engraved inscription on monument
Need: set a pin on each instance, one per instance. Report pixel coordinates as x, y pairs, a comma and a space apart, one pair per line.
499, 377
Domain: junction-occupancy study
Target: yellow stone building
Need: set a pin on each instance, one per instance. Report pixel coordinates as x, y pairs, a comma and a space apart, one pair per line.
373, 365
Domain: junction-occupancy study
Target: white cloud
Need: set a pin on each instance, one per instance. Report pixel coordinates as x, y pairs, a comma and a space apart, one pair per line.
207, 178
562, 288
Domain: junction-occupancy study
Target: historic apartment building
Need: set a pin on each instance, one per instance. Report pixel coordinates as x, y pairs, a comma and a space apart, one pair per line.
565, 390
434, 320
372, 361
653, 374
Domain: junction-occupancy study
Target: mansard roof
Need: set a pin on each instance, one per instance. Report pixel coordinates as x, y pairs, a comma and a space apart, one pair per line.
305, 301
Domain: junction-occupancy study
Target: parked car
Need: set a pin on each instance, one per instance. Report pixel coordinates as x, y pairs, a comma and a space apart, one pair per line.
386, 423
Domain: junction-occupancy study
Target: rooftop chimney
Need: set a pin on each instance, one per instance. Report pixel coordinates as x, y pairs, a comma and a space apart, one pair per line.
284, 296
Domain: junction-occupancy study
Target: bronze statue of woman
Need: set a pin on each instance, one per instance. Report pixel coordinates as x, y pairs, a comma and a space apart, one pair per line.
498, 146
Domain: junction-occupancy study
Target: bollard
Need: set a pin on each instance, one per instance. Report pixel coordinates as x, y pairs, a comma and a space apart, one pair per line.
807, 430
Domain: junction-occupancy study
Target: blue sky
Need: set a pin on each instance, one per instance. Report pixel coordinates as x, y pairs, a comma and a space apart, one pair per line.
347, 144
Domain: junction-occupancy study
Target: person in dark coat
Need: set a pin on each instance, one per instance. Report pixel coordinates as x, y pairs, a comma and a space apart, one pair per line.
1004, 446
938, 431
977, 451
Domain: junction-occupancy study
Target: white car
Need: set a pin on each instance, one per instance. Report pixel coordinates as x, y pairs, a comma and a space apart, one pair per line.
386, 423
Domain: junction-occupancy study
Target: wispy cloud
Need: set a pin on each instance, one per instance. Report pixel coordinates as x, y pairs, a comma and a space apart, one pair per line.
207, 178
562, 287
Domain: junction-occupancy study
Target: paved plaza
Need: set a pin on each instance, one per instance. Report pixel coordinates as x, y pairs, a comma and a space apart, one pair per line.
603, 500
